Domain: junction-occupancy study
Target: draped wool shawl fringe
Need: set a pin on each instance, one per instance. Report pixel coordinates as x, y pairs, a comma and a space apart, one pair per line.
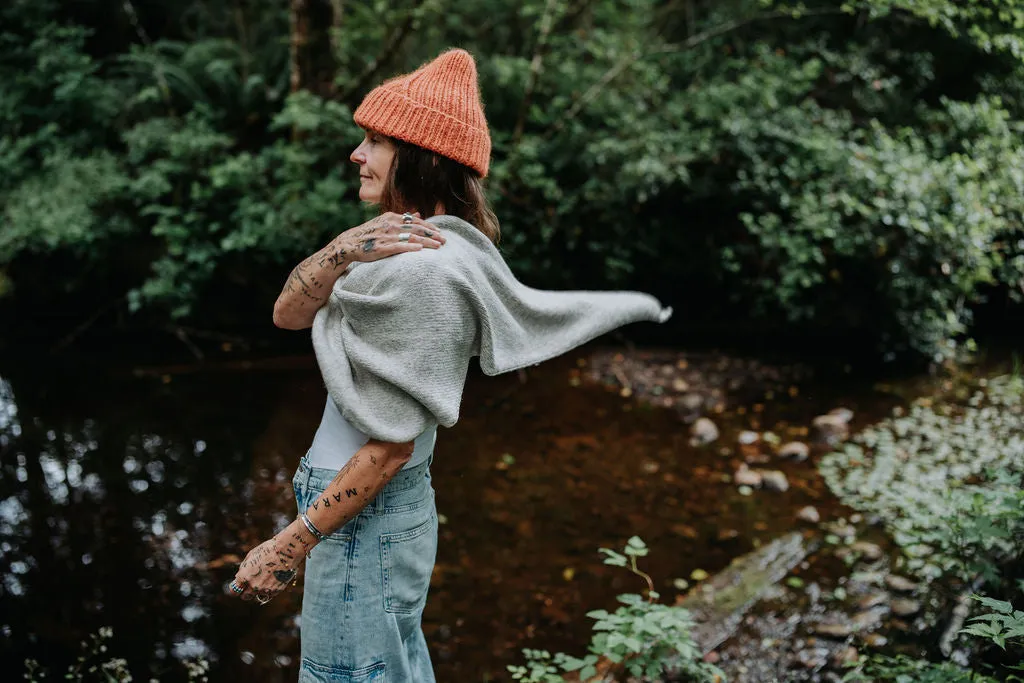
396, 337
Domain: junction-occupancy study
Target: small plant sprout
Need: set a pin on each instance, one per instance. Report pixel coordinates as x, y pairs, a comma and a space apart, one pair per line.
635, 547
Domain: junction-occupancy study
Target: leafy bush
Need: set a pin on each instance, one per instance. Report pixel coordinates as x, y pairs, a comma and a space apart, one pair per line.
920, 221
1002, 625
903, 669
946, 481
641, 636
95, 664
827, 167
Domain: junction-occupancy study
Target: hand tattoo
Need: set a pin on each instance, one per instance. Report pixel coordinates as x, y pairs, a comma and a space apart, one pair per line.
284, 575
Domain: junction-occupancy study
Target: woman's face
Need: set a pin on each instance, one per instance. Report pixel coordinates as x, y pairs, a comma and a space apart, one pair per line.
373, 155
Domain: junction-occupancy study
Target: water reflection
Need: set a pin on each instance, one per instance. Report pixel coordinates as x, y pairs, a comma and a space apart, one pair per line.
115, 501
127, 502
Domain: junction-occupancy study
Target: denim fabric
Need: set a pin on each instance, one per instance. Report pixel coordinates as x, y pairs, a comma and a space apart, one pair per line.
366, 584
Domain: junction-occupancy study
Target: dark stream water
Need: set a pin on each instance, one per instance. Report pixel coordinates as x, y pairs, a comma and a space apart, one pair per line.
127, 496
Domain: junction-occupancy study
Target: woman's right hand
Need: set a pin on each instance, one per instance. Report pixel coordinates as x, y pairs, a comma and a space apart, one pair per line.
379, 237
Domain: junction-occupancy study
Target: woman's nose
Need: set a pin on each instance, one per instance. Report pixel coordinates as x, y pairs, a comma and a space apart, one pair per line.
357, 156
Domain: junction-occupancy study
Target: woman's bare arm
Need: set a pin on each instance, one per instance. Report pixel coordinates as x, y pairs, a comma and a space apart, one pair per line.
309, 284
269, 567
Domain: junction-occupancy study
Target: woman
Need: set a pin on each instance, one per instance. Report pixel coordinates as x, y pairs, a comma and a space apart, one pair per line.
393, 339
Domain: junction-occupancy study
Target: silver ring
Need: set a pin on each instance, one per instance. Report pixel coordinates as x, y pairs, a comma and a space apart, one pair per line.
235, 588
407, 218
404, 236
262, 599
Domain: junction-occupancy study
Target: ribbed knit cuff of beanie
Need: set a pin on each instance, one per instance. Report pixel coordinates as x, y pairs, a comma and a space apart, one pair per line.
437, 107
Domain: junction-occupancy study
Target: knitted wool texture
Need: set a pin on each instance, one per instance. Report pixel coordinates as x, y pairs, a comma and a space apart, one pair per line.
436, 107
395, 339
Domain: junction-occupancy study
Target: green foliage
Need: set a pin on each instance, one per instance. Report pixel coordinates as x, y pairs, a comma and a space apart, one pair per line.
910, 216
642, 636
946, 481
541, 667
999, 626
983, 528
95, 664
989, 24
903, 669
855, 168
1002, 625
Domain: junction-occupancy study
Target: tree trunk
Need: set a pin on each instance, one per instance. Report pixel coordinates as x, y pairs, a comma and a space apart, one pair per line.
299, 20
310, 48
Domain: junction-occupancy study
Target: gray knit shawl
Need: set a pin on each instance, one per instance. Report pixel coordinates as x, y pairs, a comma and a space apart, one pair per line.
395, 339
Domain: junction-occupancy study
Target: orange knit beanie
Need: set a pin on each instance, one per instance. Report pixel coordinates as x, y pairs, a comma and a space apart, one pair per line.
436, 107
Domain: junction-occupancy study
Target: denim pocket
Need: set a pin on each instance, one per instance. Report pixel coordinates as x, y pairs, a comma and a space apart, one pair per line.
311, 672
407, 561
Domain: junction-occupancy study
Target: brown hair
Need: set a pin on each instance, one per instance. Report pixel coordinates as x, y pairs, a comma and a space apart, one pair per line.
419, 180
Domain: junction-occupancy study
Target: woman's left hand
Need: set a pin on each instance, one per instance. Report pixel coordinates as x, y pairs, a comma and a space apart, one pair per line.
267, 570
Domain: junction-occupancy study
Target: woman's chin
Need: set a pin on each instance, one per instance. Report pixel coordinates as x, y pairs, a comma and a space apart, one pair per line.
369, 197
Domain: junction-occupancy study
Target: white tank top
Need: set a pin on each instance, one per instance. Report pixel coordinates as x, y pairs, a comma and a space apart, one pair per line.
336, 441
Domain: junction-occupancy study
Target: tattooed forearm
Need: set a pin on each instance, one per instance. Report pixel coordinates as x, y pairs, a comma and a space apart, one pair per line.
269, 568
357, 483
310, 283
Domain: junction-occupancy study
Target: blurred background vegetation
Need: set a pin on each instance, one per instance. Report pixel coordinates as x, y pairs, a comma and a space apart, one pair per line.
825, 171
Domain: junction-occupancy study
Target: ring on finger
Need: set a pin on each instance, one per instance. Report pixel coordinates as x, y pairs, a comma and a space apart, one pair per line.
407, 218
236, 588
404, 236
262, 598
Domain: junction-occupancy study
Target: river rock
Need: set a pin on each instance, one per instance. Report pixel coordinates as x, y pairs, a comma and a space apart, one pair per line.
844, 656
745, 476
830, 429
868, 619
703, 431
900, 625
691, 402
875, 640
844, 414
900, 584
868, 551
809, 514
872, 600
795, 450
833, 630
774, 480
905, 607
748, 438
812, 657
752, 457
